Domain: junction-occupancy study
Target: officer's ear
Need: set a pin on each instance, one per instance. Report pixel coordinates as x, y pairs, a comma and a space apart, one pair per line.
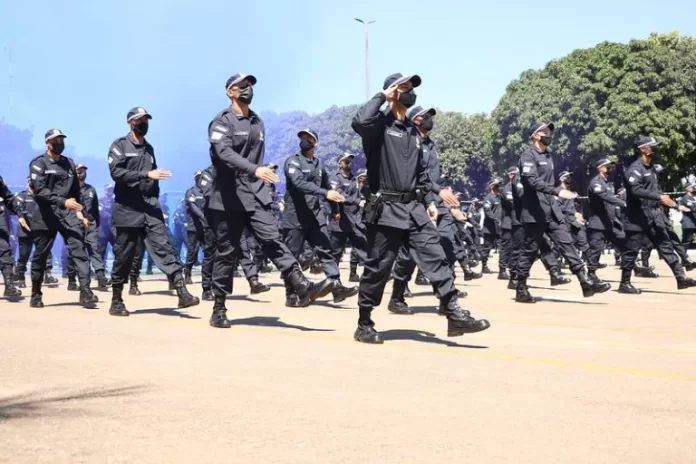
230, 93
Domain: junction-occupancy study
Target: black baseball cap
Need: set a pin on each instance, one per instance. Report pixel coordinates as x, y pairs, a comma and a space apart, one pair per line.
564, 175
53, 133
512, 170
137, 112
362, 173
537, 126
346, 155
494, 182
646, 142
80, 166
309, 132
398, 79
237, 78
604, 162
416, 111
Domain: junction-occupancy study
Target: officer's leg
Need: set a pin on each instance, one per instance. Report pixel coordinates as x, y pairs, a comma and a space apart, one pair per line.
7, 265
687, 238
294, 240
676, 242
505, 251
137, 263
246, 259
533, 238
126, 249
318, 236
338, 244
580, 240
658, 235
207, 267
227, 230
382, 247
631, 248
65, 261
161, 250
404, 265
516, 244
596, 242
560, 234
25, 245
43, 242
191, 250
488, 245
74, 240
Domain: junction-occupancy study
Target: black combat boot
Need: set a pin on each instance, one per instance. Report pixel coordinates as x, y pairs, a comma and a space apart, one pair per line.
72, 284
87, 297
307, 292
207, 295
353, 277
187, 277
502, 274
397, 304
36, 300
684, 282
420, 279
460, 322
522, 294
256, 287
49, 279
645, 272
219, 317
118, 308
366, 333
484, 267
11, 291
341, 293
592, 275
134, 290
186, 300
407, 292
589, 287
512, 283
557, 278
626, 286
20, 280
102, 281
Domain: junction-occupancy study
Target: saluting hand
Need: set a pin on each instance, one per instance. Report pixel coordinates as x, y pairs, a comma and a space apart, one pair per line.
391, 93
266, 174
72, 205
159, 174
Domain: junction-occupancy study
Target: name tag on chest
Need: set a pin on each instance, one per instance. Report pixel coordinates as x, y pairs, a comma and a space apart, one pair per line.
394, 133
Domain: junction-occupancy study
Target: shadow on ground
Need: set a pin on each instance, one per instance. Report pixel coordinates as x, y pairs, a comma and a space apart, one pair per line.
37, 404
424, 337
164, 312
275, 322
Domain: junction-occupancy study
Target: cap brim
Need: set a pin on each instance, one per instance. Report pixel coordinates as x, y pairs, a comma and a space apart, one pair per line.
56, 136
81, 167
139, 115
299, 134
649, 144
414, 79
344, 157
428, 111
251, 78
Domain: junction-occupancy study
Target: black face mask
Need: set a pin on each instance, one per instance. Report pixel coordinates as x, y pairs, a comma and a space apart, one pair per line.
141, 128
81, 176
427, 124
610, 171
546, 139
305, 146
408, 99
246, 95
57, 148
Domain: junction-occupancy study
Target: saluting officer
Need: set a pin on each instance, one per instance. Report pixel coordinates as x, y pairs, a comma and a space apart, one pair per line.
7, 205
687, 206
137, 214
347, 222
57, 191
307, 187
491, 225
240, 199
645, 217
541, 214
603, 224
395, 212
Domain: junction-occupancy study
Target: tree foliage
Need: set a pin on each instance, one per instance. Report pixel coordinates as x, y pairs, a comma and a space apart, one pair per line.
602, 99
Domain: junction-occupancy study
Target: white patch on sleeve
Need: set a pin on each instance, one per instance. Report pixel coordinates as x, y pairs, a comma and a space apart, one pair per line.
215, 136
527, 164
111, 159
192, 199
292, 170
204, 182
526, 169
295, 163
116, 151
597, 188
36, 168
221, 128
33, 176
508, 195
631, 179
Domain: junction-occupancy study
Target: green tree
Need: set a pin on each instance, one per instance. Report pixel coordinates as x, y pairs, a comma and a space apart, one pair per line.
601, 100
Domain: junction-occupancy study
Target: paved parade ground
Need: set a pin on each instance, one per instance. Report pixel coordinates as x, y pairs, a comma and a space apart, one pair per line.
610, 379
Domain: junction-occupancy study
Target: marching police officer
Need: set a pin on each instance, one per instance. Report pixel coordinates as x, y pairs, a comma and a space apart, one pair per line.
355, 256
491, 225
107, 232
90, 204
603, 224
56, 191
137, 214
7, 205
347, 223
307, 187
687, 206
241, 199
508, 218
645, 216
573, 218
541, 214
179, 234
195, 224
395, 211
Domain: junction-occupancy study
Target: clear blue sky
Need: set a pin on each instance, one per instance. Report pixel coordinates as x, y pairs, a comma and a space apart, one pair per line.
80, 65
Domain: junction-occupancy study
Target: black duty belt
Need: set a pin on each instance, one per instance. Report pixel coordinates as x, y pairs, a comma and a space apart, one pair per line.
397, 197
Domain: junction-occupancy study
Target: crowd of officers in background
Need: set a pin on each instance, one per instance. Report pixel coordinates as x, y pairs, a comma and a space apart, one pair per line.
400, 217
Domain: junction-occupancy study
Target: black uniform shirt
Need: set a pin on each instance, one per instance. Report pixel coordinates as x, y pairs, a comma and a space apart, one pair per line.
90, 203
25, 201
8, 205
491, 211
688, 220
432, 163
394, 162
508, 215
642, 196
538, 198
603, 204
134, 193
305, 192
237, 149
54, 182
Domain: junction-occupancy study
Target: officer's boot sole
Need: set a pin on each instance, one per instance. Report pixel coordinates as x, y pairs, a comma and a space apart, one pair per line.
559, 281
683, 285
259, 289
12, 294
316, 291
188, 302
372, 339
36, 303
629, 290
402, 309
512, 285
134, 291
528, 299
220, 321
453, 330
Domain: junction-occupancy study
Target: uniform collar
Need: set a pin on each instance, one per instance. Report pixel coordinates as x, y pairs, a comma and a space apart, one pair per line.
349, 176
240, 116
536, 150
51, 160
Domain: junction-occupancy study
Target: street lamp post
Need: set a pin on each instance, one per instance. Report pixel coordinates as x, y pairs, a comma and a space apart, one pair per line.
367, 56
